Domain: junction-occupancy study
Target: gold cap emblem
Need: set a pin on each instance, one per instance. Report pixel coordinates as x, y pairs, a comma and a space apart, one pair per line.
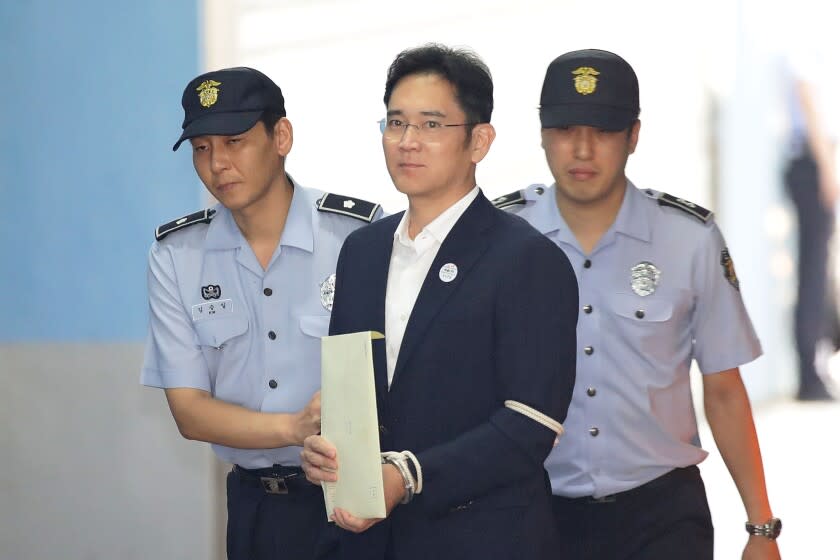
208, 93
585, 80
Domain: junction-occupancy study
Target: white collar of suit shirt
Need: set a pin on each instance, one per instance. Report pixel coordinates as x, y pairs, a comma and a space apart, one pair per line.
436, 231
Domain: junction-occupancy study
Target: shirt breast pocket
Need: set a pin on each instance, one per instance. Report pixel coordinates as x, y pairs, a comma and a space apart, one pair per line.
642, 310
315, 325
648, 324
223, 343
216, 333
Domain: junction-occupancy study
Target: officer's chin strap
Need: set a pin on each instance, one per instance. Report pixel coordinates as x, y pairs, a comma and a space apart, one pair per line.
537, 416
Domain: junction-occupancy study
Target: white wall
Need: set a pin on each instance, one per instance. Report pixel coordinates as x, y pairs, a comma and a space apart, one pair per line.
330, 59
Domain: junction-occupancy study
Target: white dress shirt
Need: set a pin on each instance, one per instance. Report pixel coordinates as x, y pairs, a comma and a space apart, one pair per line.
410, 262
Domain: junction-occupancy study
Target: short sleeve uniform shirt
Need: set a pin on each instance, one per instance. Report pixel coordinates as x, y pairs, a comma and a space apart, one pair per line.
251, 337
658, 291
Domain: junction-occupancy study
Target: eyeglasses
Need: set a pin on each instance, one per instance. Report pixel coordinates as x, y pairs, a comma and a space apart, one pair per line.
395, 128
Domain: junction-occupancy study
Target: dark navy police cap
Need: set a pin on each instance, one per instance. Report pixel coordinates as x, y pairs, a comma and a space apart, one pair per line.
228, 102
590, 88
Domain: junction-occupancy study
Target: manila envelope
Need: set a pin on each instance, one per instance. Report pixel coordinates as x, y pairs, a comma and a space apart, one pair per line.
349, 421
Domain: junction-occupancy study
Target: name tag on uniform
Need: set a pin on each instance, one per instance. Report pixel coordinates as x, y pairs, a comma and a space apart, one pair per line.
212, 309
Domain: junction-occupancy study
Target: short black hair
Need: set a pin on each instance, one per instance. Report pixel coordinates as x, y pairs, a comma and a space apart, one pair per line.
462, 68
269, 119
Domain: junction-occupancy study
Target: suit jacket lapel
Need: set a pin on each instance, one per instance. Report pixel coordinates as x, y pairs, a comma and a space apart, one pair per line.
462, 247
378, 283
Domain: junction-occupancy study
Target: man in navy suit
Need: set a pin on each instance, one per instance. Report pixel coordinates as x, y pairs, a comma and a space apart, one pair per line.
479, 314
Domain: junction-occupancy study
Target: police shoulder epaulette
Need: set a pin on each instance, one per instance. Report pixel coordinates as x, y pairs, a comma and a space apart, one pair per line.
200, 217
347, 206
511, 199
665, 199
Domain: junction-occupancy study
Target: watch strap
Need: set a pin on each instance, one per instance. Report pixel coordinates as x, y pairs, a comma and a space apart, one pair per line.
770, 529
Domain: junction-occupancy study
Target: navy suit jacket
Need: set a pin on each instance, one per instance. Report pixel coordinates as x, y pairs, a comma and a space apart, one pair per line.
504, 328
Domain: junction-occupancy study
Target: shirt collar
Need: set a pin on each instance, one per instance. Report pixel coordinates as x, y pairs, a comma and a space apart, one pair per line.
633, 218
545, 216
437, 229
298, 231
223, 233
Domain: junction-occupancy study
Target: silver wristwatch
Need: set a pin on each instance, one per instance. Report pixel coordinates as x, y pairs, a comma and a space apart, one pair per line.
770, 529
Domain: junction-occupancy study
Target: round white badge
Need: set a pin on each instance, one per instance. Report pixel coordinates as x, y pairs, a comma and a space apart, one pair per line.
448, 272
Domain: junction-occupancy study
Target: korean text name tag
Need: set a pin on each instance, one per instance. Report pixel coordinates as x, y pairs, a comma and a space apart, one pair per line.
210, 309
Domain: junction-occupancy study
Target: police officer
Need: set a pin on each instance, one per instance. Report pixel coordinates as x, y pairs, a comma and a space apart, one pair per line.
239, 296
811, 182
657, 290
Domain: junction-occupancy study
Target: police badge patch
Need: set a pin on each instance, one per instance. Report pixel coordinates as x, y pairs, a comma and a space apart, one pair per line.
586, 80
211, 291
327, 288
729, 269
644, 278
208, 93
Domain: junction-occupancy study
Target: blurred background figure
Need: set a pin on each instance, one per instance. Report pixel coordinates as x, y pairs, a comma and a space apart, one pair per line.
811, 183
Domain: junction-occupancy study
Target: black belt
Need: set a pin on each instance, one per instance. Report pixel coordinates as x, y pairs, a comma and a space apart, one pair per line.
685, 473
276, 479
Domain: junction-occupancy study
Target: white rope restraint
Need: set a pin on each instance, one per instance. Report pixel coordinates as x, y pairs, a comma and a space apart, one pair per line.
417, 469
399, 461
536, 416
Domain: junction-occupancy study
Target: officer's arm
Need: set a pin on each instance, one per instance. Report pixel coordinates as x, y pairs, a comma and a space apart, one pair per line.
201, 417
176, 364
730, 418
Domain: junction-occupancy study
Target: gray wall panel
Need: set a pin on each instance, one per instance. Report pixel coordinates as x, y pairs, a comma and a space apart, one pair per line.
93, 465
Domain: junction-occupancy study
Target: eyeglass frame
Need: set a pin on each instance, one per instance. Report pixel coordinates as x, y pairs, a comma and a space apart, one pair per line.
383, 124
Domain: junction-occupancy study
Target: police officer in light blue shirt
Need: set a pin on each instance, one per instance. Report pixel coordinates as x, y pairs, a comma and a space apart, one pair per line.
657, 290
239, 296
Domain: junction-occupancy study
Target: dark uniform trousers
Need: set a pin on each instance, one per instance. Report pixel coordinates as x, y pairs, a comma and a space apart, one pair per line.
275, 513
665, 519
815, 315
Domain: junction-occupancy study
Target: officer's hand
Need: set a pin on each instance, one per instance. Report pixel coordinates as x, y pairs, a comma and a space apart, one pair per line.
394, 491
308, 420
761, 548
319, 460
